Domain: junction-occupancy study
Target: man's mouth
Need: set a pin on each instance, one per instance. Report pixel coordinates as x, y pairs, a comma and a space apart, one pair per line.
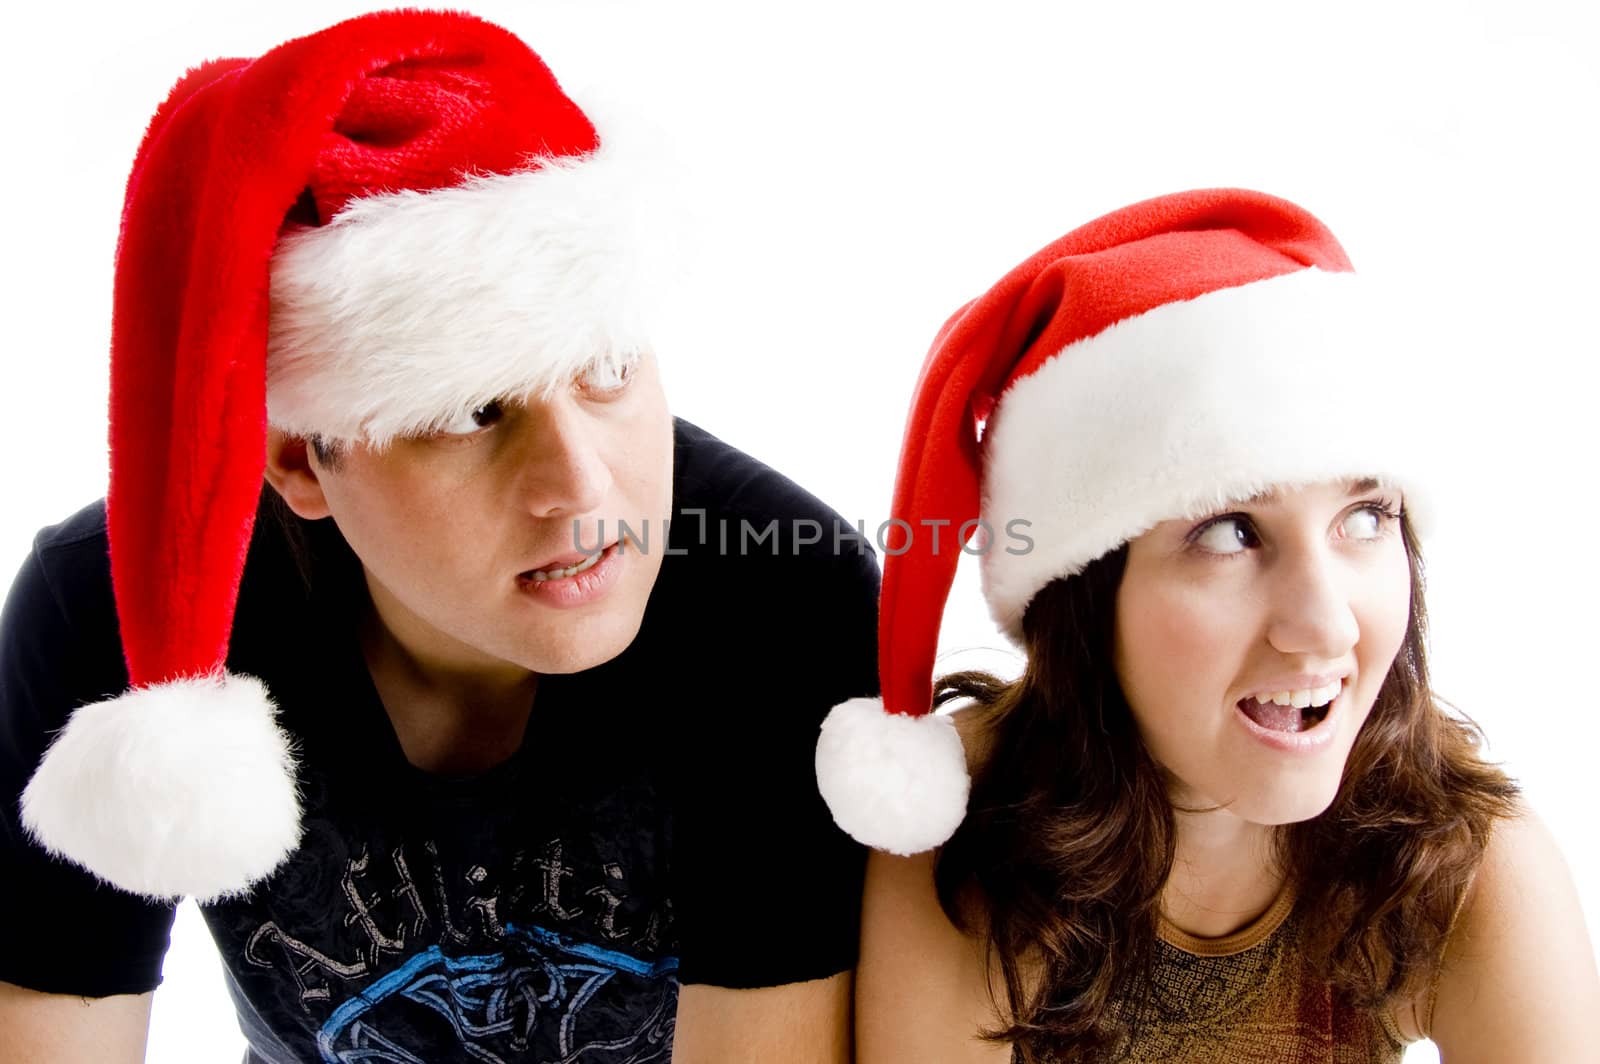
559, 572
1291, 711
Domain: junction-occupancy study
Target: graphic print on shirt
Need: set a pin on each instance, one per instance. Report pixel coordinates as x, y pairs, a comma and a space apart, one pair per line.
428, 969
501, 1006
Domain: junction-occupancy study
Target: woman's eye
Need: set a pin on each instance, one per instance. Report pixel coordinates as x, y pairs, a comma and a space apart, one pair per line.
608, 376
475, 421
1366, 523
1226, 535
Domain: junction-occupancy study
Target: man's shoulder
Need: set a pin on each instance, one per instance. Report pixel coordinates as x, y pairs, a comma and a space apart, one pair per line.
738, 504
84, 530
59, 640
69, 571
72, 557
765, 570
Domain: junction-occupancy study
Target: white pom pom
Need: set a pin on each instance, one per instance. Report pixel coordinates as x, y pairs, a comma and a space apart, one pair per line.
182, 788
894, 782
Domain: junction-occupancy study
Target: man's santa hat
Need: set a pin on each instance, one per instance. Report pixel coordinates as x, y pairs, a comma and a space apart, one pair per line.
1160, 362
364, 233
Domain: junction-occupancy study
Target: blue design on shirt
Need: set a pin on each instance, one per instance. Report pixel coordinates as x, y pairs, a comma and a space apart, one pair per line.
532, 997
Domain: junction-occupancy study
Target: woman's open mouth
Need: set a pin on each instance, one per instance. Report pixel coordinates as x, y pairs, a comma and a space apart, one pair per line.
1291, 711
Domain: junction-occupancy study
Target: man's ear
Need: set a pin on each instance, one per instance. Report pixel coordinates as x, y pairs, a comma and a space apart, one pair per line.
294, 474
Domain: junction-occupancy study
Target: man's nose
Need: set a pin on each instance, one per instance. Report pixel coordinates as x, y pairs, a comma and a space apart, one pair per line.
564, 473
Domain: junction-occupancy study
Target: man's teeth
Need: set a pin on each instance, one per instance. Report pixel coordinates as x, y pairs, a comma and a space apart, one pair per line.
541, 575
1303, 698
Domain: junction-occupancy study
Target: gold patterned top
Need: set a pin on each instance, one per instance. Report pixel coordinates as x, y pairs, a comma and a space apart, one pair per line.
1247, 998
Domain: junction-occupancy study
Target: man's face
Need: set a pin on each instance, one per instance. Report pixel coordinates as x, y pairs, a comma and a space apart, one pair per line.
469, 538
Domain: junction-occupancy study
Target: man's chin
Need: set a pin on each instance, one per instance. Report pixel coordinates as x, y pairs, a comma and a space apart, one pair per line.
567, 652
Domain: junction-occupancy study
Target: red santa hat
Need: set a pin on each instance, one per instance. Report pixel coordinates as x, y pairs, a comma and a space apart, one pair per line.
1157, 363
364, 233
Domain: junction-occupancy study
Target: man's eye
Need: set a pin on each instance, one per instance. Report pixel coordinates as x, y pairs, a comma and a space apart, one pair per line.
475, 421
1226, 535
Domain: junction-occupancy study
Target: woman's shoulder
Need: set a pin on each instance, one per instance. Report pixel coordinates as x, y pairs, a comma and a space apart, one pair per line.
1519, 971
923, 986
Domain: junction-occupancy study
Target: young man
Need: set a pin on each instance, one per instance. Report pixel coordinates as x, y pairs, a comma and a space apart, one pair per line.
484, 730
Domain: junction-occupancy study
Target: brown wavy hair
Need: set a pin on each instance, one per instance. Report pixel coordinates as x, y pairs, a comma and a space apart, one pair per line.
1070, 833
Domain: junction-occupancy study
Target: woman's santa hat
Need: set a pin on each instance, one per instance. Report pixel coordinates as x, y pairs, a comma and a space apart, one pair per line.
364, 233
1160, 362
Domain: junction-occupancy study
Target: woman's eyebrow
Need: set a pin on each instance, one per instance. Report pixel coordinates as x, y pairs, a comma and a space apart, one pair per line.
1353, 486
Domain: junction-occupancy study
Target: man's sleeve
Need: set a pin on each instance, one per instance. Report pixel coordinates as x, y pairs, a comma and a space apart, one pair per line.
768, 887
61, 930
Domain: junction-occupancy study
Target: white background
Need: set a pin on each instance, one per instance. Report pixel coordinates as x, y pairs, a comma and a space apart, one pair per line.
857, 171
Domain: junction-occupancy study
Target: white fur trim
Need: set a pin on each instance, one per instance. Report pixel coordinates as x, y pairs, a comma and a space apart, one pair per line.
409, 310
894, 782
182, 788
1184, 409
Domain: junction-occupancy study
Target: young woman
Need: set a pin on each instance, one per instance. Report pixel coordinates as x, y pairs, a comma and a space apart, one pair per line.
1220, 816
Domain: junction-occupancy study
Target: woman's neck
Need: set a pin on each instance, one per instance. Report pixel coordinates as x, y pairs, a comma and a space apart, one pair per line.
1223, 875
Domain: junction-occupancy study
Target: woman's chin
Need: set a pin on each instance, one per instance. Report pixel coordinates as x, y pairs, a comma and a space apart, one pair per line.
1288, 802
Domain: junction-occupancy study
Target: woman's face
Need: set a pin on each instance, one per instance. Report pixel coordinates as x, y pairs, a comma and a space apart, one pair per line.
1302, 596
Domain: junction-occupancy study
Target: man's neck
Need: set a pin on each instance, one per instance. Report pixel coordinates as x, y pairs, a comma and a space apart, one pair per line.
454, 711
1223, 875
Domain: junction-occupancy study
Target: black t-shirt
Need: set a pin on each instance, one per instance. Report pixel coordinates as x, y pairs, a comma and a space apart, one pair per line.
660, 823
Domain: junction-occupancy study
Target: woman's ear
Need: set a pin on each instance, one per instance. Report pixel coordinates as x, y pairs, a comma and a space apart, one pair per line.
293, 472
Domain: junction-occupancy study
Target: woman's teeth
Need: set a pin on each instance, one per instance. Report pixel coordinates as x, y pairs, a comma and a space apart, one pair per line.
1292, 711
541, 575
1303, 698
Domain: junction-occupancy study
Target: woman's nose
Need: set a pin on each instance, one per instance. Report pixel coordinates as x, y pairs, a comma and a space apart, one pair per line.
1312, 613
